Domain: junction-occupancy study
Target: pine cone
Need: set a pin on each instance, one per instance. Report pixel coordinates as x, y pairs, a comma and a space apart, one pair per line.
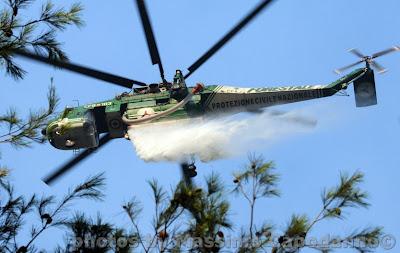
163, 235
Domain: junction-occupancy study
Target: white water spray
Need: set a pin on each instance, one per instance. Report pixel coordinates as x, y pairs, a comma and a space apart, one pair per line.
211, 139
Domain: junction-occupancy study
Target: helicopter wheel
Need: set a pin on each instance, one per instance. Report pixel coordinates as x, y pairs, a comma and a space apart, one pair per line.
189, 170
192, 173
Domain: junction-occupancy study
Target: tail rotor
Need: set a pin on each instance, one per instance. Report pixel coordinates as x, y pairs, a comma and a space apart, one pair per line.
369, 60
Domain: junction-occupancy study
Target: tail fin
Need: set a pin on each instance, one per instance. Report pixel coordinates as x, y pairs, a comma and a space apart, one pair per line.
364, 90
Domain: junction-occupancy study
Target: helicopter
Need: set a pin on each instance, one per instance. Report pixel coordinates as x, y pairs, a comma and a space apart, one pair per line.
92, 126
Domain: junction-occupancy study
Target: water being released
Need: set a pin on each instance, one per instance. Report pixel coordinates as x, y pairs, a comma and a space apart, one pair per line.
217, 138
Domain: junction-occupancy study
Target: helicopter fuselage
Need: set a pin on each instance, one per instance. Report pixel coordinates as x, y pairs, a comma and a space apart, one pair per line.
80, 127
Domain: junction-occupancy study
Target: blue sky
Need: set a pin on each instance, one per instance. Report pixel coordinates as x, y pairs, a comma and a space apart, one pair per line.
292, 43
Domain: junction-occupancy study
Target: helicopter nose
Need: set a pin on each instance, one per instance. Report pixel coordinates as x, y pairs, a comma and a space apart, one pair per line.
44, 132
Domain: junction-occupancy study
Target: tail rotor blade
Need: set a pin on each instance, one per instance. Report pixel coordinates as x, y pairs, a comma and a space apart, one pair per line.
76, 160
387, 51
148, 31
246, 20
338, 71
378, 67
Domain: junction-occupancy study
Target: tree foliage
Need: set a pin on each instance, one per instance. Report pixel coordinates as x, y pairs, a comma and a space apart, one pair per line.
15, 211
38, 34
199, 219
189, 218
335, 202
20, 132
19, 31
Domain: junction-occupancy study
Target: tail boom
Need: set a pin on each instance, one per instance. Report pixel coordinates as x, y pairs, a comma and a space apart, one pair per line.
228, 99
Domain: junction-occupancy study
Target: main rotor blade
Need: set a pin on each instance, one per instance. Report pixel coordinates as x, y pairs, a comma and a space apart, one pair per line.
338, 71
227, 37
387, 51
151, 41
356, 52
104, 76
79, 158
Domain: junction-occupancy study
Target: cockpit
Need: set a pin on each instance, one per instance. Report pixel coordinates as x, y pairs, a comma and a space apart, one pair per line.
73, 133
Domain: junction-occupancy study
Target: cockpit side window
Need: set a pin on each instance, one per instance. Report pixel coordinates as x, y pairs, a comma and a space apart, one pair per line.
66, 111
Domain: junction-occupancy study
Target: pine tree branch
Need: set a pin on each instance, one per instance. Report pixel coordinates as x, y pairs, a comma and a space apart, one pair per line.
38, 34
22, 133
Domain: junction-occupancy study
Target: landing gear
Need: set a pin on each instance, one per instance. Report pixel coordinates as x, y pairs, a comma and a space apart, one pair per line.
189, 172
